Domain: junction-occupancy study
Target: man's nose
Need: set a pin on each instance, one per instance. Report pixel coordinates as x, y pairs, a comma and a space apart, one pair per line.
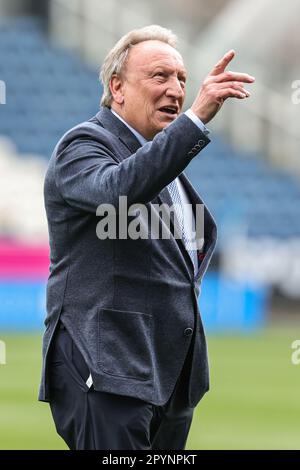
174, 89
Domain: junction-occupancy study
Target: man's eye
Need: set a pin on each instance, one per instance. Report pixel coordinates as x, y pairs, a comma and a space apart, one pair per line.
160, 74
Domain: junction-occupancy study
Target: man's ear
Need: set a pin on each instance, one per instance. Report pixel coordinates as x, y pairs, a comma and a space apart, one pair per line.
116, 88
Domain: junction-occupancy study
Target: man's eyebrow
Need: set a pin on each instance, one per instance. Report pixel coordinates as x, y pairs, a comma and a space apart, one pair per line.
182, 72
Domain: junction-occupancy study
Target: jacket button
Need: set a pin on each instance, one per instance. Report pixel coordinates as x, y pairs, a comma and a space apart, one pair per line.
188, 332
201, 143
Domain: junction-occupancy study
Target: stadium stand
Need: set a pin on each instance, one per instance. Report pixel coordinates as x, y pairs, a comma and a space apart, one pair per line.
50, 90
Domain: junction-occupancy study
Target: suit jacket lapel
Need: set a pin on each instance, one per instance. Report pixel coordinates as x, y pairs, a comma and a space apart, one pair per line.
210, 228
165, 198
192, 193
209, 223
110, 122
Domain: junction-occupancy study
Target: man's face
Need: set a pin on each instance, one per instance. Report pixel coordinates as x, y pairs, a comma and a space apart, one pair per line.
152, 87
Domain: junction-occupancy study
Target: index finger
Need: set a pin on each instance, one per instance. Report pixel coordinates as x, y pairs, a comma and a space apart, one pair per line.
222, 64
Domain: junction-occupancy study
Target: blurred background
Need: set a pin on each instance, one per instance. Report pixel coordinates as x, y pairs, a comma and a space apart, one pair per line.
249, 176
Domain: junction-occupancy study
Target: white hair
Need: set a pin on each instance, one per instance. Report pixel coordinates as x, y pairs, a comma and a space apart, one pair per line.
116, 58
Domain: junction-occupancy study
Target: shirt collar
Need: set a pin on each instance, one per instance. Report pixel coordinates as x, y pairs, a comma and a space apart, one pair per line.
139, 137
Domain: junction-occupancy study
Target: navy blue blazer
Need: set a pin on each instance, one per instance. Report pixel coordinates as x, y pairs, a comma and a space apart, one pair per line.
129, 305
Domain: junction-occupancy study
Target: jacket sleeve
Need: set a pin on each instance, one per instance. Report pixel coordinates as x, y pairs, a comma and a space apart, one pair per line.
87, 172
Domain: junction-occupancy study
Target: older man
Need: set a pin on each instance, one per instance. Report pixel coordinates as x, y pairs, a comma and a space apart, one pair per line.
125, 359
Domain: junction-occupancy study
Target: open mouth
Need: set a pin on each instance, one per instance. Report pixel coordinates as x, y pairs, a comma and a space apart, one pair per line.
171, 110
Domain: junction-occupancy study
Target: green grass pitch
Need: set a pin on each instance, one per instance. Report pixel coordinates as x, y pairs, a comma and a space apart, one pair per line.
253, 403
